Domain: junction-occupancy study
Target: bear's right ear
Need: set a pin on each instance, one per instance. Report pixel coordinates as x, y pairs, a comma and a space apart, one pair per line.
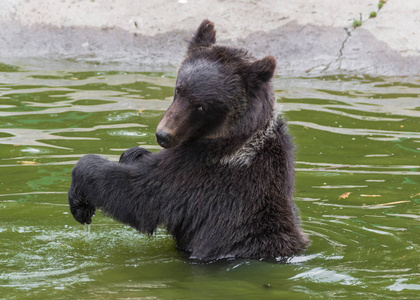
263, 70
205, 36
259, 71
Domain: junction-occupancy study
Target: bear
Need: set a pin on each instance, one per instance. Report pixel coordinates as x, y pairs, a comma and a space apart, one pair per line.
223, 183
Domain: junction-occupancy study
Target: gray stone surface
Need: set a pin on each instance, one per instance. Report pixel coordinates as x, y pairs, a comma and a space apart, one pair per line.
307, 37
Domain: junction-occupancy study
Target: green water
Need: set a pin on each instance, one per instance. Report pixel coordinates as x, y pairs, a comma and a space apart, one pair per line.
354, 134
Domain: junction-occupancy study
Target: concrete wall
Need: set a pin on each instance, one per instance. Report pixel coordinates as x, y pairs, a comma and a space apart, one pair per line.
306, 36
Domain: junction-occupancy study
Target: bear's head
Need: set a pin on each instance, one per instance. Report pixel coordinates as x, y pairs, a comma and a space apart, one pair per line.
220, 92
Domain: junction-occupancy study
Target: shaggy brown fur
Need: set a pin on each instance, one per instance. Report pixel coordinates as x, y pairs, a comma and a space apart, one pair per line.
224, 184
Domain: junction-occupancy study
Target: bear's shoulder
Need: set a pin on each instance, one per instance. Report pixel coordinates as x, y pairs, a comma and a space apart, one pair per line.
264, 141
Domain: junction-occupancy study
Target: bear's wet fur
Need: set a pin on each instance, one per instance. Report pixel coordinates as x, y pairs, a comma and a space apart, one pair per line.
223, 186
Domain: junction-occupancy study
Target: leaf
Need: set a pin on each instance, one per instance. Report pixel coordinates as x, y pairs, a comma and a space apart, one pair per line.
371, 196
344, 196
25, 162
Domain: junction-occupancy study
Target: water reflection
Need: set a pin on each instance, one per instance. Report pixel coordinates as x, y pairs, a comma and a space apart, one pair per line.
356, 136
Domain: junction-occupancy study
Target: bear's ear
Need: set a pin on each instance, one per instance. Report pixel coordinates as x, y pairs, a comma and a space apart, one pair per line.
205, 36
263, 70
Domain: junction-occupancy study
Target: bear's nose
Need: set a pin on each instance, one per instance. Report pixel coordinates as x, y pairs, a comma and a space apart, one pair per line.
163, 138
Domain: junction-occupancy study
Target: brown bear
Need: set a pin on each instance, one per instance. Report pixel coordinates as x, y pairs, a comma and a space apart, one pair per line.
223, 185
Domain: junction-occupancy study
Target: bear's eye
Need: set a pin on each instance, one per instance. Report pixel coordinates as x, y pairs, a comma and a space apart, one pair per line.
177, 90
200, 108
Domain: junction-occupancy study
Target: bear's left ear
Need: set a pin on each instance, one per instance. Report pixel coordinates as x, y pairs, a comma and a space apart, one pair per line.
205, 36
263, 70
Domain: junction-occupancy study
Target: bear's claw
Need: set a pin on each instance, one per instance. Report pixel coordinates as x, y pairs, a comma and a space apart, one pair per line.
81, 210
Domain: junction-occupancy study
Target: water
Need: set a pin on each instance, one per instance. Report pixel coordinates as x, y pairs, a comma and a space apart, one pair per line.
355, 134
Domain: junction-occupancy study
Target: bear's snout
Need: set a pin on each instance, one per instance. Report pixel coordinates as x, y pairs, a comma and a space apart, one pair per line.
163, 138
